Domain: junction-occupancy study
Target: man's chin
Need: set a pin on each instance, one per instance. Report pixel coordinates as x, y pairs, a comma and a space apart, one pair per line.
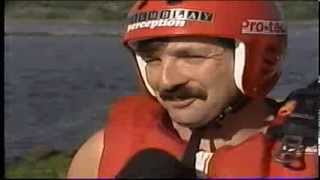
190, 125
186, 121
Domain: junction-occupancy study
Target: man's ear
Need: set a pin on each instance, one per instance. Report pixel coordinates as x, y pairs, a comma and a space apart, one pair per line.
287, 108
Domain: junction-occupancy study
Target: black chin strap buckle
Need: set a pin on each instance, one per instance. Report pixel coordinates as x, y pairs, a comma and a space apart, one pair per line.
236, 106
290, 154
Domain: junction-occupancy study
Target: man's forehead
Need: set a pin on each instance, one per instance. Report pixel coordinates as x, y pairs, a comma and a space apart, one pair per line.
183, 39
191, 41
157, 44
191, 46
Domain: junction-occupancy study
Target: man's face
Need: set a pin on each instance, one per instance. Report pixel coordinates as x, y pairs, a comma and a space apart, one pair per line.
192, 79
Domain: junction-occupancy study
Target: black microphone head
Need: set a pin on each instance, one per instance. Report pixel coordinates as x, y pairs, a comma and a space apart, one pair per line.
155, 163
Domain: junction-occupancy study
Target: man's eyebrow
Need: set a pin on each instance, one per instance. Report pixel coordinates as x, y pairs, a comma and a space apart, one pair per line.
192, 50
147, 53
183, 52
152, 50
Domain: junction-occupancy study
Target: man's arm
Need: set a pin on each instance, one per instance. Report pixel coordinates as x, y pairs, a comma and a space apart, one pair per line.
86, 161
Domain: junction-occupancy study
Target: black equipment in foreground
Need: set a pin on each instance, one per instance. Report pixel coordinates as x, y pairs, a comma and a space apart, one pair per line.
155, 163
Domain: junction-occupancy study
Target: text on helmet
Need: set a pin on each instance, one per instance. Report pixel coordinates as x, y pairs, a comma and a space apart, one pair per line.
257, 26
167, 18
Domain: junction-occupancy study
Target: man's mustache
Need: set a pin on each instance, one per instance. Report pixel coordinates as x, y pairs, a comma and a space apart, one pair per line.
183, 92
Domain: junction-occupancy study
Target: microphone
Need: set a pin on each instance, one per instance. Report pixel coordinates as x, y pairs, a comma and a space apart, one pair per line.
155, 163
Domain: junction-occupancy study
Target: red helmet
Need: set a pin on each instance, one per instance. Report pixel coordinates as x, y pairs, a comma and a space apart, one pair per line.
256, 26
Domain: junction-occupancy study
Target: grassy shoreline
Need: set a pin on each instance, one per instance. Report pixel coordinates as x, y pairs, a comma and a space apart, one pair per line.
53, 166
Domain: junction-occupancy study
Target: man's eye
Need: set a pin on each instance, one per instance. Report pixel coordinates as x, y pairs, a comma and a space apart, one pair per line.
192, 56
196, 56
194, 59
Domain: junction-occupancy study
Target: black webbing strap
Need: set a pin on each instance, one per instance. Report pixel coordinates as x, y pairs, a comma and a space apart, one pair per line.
189, 158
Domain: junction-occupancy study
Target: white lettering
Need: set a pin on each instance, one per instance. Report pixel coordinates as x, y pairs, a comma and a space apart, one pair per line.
156, 23
161, 22
253, 26
171, 22
181, 14
180, 23
143, 24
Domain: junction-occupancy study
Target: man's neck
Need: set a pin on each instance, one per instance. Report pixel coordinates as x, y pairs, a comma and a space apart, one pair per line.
236, 127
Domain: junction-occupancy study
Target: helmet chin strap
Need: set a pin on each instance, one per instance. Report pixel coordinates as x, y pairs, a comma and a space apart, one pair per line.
237, 104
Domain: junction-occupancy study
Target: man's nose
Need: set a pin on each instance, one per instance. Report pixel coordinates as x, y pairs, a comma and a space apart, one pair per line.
171, 74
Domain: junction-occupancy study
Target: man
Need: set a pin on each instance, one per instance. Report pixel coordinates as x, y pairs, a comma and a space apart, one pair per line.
207, 66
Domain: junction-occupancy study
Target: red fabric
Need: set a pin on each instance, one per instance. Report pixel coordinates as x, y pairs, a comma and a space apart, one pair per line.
138, 122
135, 123
253, 158
247, 159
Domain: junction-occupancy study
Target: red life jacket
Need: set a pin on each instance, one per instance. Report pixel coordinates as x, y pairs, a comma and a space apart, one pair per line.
138, 122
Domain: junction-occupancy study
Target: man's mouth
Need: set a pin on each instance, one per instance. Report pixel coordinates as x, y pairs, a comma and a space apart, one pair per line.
180, 103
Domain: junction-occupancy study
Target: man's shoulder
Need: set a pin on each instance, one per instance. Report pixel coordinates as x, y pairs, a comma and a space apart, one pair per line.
128, 108
135, 101
86, 161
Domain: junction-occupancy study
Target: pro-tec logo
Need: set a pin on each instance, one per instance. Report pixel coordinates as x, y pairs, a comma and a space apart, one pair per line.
255, 26
167, 18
